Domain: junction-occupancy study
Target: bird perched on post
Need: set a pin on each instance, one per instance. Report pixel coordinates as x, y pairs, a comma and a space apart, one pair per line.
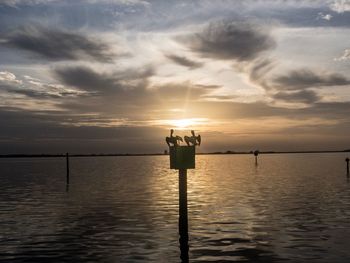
173, 139
194, 140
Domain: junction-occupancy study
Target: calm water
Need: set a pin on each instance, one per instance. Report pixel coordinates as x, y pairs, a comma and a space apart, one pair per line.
292, 207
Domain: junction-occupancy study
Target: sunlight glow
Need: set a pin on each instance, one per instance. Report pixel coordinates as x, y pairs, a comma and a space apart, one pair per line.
186, 123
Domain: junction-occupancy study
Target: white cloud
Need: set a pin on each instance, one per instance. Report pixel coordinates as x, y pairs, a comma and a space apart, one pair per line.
8, 77
35, 88
345, 56
340, 6
327, 17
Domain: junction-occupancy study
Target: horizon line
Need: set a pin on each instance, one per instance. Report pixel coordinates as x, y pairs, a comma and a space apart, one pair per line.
22, 155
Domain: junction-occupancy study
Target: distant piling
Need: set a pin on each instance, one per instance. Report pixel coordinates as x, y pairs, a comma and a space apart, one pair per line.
347, 166
67, 164
256, 153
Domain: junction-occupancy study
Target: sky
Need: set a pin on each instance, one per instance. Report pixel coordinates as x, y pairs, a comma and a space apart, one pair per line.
114, 76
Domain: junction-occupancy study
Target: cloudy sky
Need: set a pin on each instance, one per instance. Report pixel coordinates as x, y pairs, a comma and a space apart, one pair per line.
91, 76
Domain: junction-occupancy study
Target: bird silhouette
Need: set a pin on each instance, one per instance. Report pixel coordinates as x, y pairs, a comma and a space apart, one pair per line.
193, 140
173, 139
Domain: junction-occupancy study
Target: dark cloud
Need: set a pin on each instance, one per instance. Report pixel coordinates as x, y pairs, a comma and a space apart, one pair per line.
131, 84
54, 44
259, 68
55, 132
303, 96
122, 93
41, 94
183, 61
127, 94
88, 79
258, 71
332, 110
298, 86
44, 94
231, 40
305, 78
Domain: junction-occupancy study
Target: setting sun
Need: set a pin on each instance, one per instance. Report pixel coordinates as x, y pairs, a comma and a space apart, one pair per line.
186, 123
183, 123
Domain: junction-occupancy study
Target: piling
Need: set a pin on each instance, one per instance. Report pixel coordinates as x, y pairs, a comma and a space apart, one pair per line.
256, 153
183, 216
347, 166
183, 158
67, 164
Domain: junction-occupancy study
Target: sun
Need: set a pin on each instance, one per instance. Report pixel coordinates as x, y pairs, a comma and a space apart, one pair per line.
182, 124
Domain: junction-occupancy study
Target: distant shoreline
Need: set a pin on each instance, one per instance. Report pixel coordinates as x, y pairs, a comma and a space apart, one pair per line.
156, 154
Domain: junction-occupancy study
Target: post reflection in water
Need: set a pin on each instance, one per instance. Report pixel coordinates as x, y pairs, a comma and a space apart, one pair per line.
183, 217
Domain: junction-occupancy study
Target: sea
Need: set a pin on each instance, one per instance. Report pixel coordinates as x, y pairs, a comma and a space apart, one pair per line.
287, 208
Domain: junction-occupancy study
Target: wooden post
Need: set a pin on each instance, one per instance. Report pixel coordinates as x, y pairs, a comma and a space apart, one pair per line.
183, 158
347, 166
183, 216
256, 153
67, 163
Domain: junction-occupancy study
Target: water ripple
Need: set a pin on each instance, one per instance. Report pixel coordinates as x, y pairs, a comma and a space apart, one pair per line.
125, 209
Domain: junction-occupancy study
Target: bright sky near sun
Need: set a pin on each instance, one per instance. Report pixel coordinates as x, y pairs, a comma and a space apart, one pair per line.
116, 75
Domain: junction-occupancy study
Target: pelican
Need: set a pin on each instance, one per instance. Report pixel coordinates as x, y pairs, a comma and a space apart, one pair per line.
194, 140
173, 139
